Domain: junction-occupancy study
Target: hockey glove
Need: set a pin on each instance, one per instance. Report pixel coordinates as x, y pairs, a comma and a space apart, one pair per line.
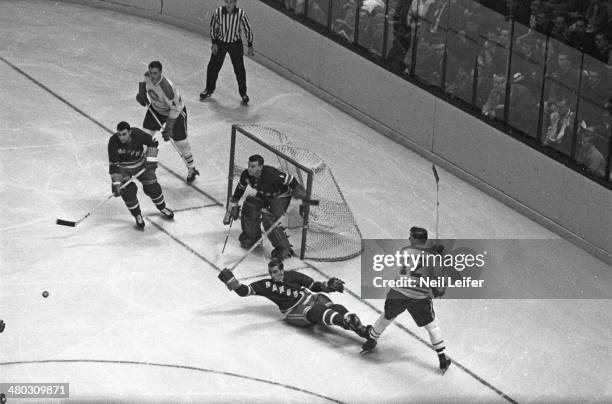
233, 212
141, 97
299, 192
438, 292
117, 181
335, 285
151, 161
226, 276
168, 129
302, 211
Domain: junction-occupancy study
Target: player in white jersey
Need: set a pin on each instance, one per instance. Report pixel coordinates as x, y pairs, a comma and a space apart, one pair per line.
414, 299
167, 105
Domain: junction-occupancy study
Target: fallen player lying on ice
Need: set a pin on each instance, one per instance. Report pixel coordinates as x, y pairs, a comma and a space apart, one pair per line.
298, 297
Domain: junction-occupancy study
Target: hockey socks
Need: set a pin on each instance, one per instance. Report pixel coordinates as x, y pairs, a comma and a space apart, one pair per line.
435, 336
380, 326
184, 150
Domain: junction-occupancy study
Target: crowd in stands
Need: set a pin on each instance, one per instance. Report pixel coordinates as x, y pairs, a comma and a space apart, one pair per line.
552, 57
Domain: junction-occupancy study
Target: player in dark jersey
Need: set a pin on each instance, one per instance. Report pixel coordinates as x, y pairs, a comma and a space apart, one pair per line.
299, 298
129, 150
274, 191
414, 299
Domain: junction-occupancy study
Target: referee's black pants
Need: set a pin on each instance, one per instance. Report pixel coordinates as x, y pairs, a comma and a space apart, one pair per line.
236, 53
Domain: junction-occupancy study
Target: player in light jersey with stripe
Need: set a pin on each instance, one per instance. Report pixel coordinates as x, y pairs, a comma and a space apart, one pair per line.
167, 105
415, 299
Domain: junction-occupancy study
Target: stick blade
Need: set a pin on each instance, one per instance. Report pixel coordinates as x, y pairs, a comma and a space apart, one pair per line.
435, 173
62, 222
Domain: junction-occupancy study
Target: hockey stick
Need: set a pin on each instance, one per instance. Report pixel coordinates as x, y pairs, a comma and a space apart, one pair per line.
435, 173
160, 128
228, 233
254, 246
69, 223
311, 202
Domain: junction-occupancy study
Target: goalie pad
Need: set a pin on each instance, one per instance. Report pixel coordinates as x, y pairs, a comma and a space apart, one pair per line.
250, 221
277, 236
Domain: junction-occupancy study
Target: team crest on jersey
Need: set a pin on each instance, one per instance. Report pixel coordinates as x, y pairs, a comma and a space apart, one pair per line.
153, 95
282, 290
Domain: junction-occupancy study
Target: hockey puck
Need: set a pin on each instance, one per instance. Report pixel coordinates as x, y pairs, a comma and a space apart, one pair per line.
45, 294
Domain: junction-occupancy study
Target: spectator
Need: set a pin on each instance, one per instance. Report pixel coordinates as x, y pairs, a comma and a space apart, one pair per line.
564, 79
534, 7
494, 107
317, 11
517, 10
372, 25
578, 36
559, 131
602, 47
596, 15
594, 88
345, 26
607, 26
297, 6
542, 23
588, 155
528, 64
523, 113
401, 35
460, 85
559, 28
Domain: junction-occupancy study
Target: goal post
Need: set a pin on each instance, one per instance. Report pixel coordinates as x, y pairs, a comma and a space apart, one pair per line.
327, 232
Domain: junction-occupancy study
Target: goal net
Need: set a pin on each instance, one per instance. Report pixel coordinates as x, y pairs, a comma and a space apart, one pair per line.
328, 232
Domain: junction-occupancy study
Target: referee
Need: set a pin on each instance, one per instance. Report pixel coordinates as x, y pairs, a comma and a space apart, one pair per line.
225, 30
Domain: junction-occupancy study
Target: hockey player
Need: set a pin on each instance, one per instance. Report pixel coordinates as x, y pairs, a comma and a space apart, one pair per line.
126, 156
298, 297
168, 107
416, 300
274, 191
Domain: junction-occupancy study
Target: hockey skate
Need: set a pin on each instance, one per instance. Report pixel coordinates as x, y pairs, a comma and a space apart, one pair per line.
370, 343
168, 213
206, 94
140, 223
192, 174
353, 323
444, 364
245, 99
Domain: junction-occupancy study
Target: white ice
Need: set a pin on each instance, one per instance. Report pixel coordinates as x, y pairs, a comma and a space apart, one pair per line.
141, 317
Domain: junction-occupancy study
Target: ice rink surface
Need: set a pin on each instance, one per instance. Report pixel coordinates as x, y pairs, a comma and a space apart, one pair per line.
141, 317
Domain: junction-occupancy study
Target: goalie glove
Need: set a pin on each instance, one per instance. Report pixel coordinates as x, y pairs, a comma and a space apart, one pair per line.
299, 192
167, 131
232, 213
226, 276
335, 285
141, 97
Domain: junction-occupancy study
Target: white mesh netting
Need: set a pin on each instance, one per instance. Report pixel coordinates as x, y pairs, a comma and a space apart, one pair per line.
332, 233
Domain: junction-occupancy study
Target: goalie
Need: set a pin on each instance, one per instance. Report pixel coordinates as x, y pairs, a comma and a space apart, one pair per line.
298, 298
274, 191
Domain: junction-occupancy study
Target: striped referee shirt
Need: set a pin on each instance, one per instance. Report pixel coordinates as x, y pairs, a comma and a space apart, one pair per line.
225, 26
